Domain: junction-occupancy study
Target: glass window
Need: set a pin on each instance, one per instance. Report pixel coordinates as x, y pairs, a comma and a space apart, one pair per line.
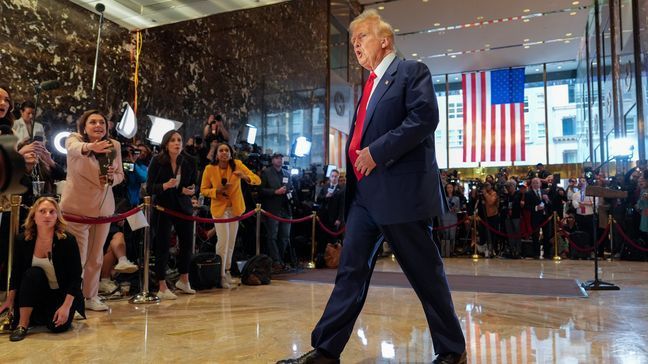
562, 94
569, 126
440, 134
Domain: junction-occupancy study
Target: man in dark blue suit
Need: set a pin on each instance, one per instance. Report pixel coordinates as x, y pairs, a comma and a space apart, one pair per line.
393, 190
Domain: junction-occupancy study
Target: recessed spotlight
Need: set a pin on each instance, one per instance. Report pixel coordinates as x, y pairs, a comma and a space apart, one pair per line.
486, 45
425, 1
526, 20
414, 54
453, 56
559, 67
449, 49
575, 2
419, 60
526, 40
537, 69
527, 47
526, 10
438, 80
381, 8
437, 24
572, 13
456, 78
396, 30
567, 41
480, 17
568, 34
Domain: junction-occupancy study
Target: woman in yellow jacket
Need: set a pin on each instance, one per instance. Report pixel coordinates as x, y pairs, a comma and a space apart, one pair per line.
221, 181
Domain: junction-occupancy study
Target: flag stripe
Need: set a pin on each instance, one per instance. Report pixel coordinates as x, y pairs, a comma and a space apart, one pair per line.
473, 121
523, 140
483, 115
465, 114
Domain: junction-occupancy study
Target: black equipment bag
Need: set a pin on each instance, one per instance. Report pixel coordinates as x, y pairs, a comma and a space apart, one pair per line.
205, 271
584, 242
257, 271
629, 252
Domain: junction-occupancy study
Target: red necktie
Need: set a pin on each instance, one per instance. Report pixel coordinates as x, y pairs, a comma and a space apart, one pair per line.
357, 131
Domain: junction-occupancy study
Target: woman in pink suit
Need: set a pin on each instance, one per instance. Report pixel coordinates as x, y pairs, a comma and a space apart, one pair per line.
94, 165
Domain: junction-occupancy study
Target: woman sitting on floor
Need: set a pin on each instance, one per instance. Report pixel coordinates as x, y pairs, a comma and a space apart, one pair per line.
45, 287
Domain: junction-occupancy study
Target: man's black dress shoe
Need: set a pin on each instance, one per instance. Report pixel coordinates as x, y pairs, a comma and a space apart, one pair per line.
18, 334
451, 358
311, 357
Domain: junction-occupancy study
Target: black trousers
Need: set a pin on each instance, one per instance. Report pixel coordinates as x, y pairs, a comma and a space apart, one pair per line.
161, 240
417, 254
35, 292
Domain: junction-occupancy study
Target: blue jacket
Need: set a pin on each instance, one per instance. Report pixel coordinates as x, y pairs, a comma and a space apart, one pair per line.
401, 118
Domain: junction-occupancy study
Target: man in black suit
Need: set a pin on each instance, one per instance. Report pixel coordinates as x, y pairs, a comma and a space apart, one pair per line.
331, 210
539, 204
394, 191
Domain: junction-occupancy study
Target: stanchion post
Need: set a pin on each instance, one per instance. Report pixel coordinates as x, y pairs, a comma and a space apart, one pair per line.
475, 256
5, 325
556, 257
258, 229
311, 264
145, 296
611, 236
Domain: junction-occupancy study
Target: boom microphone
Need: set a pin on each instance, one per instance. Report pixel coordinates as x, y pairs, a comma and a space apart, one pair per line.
50, 85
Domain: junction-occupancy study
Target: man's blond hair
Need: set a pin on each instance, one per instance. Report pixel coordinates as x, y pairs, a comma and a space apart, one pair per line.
382, 28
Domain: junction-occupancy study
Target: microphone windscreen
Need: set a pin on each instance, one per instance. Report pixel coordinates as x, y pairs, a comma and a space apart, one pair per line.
50, 85
100, 7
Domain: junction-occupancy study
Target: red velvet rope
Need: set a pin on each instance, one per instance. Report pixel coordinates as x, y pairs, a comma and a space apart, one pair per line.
451, 226
515, 236
586, 250
290, 221
629, 240
329, 231
204, 219
100, 220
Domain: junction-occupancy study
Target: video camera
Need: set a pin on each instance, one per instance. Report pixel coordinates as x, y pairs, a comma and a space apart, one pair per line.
12, 166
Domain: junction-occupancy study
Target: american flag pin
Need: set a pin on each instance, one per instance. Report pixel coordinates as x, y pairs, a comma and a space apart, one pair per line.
387, 83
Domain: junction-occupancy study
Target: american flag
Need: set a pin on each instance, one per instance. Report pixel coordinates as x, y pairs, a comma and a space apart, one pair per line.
493, 116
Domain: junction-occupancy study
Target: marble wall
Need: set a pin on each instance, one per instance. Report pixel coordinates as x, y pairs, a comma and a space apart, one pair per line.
55, 39
248, 65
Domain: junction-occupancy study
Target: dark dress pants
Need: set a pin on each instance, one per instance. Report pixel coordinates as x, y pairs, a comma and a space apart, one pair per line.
417, 253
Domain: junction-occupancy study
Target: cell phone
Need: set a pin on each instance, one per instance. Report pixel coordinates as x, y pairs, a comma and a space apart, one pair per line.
38, 138
130, 167
556, 177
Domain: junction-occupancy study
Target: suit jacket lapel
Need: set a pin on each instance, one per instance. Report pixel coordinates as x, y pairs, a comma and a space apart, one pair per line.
384, 84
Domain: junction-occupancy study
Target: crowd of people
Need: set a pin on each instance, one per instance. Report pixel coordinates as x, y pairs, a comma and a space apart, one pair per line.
103, 176
512, 214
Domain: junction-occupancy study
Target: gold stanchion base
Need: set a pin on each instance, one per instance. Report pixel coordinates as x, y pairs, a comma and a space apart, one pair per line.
144, 298
310, 265
557, 258
475, 256
5, 326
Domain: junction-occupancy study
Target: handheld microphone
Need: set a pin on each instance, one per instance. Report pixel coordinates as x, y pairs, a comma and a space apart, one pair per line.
224, 181
49, 85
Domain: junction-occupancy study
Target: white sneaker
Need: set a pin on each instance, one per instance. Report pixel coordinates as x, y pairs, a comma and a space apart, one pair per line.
126, 267
107, 286
225, 283
185, 287
95, 304
166, 295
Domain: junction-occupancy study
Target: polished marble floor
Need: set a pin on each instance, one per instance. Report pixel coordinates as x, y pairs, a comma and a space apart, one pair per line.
263, 324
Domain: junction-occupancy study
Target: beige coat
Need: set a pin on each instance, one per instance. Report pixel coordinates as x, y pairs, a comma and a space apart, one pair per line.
84, 194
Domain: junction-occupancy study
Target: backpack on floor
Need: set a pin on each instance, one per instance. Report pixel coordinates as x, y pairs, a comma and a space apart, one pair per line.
257, 271
205, 271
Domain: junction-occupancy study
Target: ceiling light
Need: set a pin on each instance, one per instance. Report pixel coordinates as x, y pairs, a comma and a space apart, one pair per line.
526, 47
437, 24
449, 50
567, 41
480, 17
414, 54
453, 56
559, 67
526, 20
568, 34
575, 2
526, 40
396, 30
537, 69
526, 10
486, 45
572, 13
381, 8
420, 60
456, 78
425, 1
438, 80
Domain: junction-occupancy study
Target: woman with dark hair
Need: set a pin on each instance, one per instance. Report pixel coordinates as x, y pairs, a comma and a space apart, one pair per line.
94, 166
221, 181
45, 286
6, 107
171, 181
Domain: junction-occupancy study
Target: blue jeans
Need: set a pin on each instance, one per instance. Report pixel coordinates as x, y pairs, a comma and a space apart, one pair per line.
278, 239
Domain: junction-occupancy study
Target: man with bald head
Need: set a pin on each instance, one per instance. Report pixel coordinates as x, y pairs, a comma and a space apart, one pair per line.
393, 191
538, 203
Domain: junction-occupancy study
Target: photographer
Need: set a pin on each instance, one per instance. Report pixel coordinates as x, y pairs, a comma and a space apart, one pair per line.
215, 130
41, 171
276, 191
512, 207
23, 127
331, 211
491, 209
135, 172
